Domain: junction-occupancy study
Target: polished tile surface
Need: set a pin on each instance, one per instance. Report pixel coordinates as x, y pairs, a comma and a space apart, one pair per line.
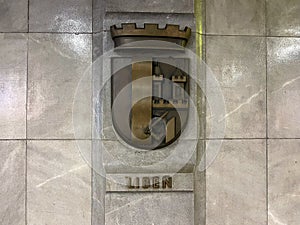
60, 16
12, 185
13, 15
284, 182
13, 67
284, 87
283, 17
59, 186
98, 15
236, 184
235, 17
158, 6
238, 63
149, 208
57, 62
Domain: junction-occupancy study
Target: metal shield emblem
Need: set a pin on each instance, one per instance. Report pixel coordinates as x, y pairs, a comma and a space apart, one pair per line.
149, 97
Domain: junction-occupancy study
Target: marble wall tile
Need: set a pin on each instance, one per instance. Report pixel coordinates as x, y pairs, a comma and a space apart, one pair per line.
98, 15
162, 19
98, 185
284, 87
150, 208
12, 185
284, 182
14, 16
60, 16
283, 18
238, 63
98, 45
13, 67
59, 184
158, 6
235, 17
117, 157
236, 184
57, 63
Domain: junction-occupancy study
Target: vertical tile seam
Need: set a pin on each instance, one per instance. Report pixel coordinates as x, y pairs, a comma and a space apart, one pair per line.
204, 60
26, 115
91, 123
26, 129
267, 122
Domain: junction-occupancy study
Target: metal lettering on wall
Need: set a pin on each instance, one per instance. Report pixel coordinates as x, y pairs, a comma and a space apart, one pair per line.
157, 119
145, 182
155, 182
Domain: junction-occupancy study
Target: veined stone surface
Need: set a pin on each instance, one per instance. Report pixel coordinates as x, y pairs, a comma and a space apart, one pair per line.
60, 16
13, 16
13, 51
235, 17
59, 184
158, 6
56, 65
283, 18
149, 209
12, 185
284, 182
284, 87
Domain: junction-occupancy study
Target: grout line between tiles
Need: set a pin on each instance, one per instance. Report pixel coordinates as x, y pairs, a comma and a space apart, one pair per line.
82, 139
272, 36
236, 35
55, 32
26, 185
92, 95
26, 127
267, 124
59, 139
256, 138
267, 182
47, 32
205, 114
106, 30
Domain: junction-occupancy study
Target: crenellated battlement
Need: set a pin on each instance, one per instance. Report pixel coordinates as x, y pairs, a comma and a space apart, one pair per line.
150, 30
